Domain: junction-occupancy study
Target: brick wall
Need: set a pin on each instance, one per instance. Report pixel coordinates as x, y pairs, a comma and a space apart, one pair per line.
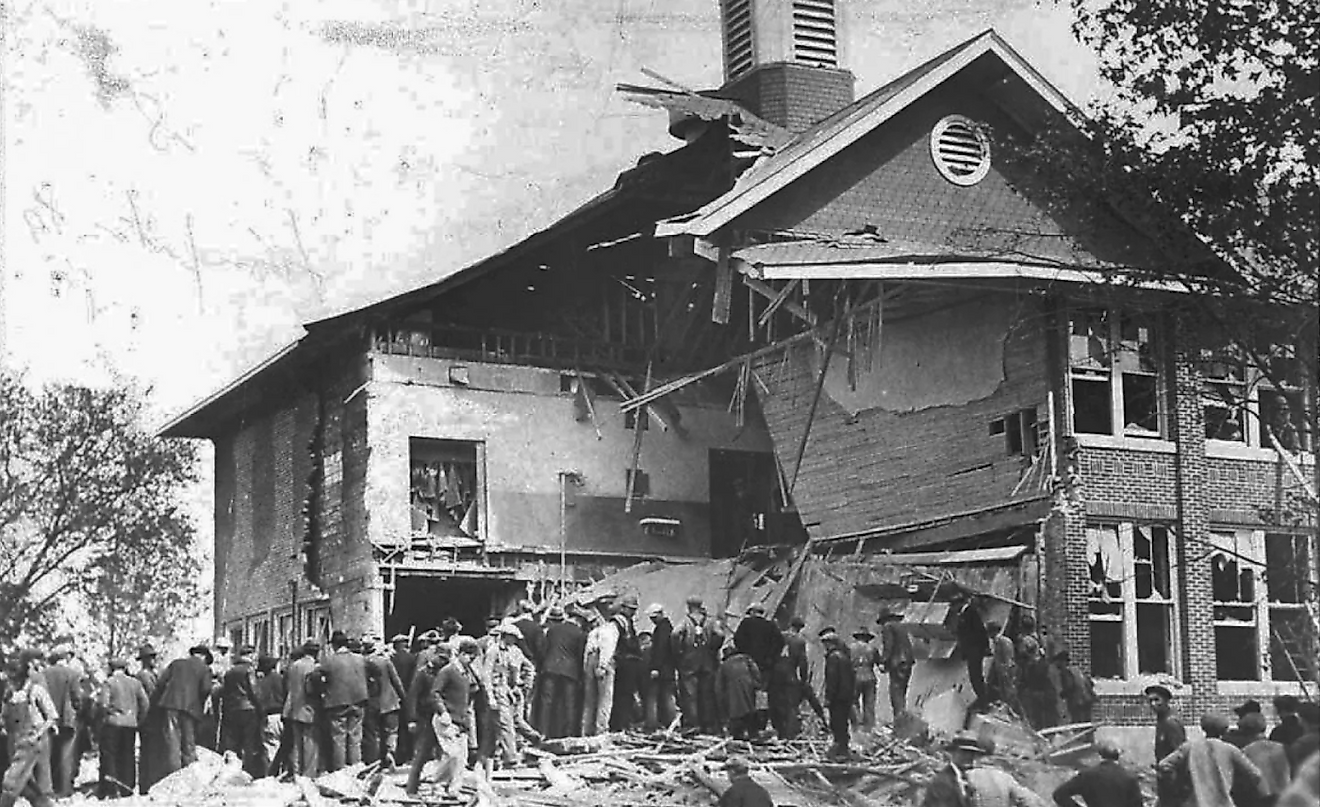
794, 96
881, 468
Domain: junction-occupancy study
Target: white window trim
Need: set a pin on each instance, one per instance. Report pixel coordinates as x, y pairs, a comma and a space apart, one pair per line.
1127, 548
1251, 447
1262, 605
1119, 431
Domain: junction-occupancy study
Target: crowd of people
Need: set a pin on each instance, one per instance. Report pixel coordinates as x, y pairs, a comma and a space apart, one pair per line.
591, 667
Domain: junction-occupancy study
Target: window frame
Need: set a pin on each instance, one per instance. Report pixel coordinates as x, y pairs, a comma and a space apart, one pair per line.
1254, 383
435, 446
1120, 359
1127, 617
1263, 606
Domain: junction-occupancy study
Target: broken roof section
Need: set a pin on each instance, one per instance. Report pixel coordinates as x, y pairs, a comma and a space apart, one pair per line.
684, 106
847, 126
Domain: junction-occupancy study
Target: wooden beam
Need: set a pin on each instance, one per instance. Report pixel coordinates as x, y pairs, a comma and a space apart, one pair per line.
815, 399
778, 300
719, 308
767, 291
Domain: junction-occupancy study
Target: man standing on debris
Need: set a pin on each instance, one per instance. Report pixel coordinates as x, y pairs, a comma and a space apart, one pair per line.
123, 704
1003, 682
599, 659
962, 782
896, 658
385, 692
450, 693
300, 712
973, 643
564, 645
758, 637
736, 684
182, 694
271, 694
210, 730
345, 675
742, 792
1213, 767
695, 646
865, 658
1169, 735
661, 707
405, 662
1107, 784
29, 719
796, 645
628, 667
840, 690
64, 682
511, 677
149, 723
1076, 688
241, 728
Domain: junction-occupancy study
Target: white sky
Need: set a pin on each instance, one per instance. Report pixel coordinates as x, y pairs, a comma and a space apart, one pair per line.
187, 181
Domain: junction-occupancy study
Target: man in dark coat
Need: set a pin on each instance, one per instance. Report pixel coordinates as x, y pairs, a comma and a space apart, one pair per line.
123, 704
628, 668
973, 643
240, 720
661, 707
1107, 784
150, 725
344, 679
758, 637
385, 693
795, 643
743, 792
840, 689
561, 672
736, 683
300, 712
181, 694
896, 658
64, 683
1169, 736
695, 645
405, 662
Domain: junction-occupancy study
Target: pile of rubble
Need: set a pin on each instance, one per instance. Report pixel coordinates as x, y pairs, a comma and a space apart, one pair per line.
662, 770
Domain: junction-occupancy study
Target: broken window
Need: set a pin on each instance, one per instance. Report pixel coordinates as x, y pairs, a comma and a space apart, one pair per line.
1131, 600
1224, 395
1245, 402
1258, 582
447, 481
1115, 373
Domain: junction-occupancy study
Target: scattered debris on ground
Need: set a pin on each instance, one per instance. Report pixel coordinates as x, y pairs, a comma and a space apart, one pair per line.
660, 770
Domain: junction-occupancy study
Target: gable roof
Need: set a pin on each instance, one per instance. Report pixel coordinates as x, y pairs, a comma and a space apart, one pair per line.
845, 127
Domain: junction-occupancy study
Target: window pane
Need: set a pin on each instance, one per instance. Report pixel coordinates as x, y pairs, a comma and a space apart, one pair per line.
1222, 406
1141, 409
1290, 645
1138, 334
1088, 344
1236, 654
1287, 562
1107, 649
1154, 649
1160, 560
1091, 406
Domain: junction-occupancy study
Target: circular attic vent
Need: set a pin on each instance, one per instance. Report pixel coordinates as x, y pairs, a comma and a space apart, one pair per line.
960, 149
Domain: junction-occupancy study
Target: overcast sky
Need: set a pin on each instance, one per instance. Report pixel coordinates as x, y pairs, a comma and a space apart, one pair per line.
188, 180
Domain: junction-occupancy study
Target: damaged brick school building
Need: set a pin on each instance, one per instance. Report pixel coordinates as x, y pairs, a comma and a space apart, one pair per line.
849, 325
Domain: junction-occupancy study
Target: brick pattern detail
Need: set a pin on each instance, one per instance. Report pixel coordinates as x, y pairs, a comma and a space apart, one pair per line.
793, 96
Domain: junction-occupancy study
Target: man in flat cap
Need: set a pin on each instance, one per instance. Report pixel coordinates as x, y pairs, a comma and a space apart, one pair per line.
300, 712
182, 695
123, 703
1169, 734
865, 658
345, 675
840, 690
696, 645
1107, 783
896, 658
1213, 767
662, 669
64, 681
742, 792
151, 724
562, 671
599, 662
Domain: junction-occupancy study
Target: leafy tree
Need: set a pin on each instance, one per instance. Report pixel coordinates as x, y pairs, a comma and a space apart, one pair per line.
90, 513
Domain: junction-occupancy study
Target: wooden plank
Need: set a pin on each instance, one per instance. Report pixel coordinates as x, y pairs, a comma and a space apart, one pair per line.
719, 308
767, 291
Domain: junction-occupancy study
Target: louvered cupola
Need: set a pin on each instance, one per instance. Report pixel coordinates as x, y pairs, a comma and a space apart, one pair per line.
783, 59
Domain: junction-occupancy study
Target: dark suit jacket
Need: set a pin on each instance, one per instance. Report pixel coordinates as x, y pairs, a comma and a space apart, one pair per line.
533, 640
564, 643
64, 684
384, 684
345, 679
299, 707
184, 686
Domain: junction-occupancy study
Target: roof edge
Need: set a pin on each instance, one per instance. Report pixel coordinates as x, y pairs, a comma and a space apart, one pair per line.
176, 427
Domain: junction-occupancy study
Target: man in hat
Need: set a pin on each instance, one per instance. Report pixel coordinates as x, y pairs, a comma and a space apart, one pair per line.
1107, 784
150, 723
742, 792
445, 707
896, 658
795, 642
662, 668
345, 679
973, 642
1290, 727
271, 695
599, 661
736, 683
30, 717
64, 682
240, 720
963, 781
1269, 757
182, 695
385, 693
1169, 734
695, 645
300, 712
405, 663
211, 730
628, 666
511, 677
840, 690
1213, 768
561, 672
865, 658
1236, 736
123, 704
758, 637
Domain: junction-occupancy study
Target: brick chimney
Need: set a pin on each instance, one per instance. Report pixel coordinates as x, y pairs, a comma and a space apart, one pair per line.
783, 59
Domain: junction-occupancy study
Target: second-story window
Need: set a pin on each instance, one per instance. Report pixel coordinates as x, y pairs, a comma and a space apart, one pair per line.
1249, 401
1115, 373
